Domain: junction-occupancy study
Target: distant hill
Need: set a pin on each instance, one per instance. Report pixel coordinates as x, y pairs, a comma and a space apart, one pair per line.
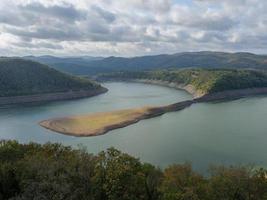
52, 59
204, 59
25, 77
72, 65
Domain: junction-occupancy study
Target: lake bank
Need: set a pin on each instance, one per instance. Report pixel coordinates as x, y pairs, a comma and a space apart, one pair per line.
198, 95
188, 88
58, 96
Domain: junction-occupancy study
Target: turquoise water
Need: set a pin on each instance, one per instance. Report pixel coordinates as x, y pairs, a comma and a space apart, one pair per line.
208, 133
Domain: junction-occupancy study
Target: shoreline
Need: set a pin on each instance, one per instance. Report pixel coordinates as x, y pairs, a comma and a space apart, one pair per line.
47, 97
85, 125
187, 88
198, 95
229, 95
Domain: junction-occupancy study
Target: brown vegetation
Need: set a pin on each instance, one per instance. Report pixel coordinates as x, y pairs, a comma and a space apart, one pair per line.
100, 123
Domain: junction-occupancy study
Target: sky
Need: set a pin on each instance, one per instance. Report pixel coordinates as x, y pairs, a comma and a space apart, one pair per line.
131, 27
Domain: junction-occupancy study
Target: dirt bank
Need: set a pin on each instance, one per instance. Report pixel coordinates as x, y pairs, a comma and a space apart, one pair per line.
232, 94
51, 96
188, 88
200, 96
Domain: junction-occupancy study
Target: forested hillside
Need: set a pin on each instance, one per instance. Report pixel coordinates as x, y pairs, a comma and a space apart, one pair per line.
24, 77
206, 59
53, 171
204, 80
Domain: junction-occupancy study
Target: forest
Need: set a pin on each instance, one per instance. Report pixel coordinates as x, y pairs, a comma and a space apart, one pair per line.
205, 80
203, 59
53, 171
24, 77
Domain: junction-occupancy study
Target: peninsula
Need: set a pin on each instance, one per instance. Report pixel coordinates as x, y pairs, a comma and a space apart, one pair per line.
25, 81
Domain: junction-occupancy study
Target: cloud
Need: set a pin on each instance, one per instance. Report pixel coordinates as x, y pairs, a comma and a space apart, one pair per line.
37, 13
108, 16
37, 45
66, 12
68, 33
131, 27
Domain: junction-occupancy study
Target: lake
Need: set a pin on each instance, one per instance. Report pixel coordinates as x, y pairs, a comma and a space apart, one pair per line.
207, 133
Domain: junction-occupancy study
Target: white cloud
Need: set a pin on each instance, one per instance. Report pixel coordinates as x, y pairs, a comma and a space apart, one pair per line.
131, 27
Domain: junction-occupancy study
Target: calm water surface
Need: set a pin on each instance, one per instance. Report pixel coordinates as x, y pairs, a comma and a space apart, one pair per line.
207, 133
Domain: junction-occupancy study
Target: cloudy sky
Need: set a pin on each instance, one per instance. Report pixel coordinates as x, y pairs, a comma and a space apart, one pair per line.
131, 27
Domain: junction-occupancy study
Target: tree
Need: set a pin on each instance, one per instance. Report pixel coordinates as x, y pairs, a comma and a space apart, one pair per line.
119, 176
181, 183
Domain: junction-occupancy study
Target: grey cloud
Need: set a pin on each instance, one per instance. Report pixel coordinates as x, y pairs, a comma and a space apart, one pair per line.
14, 18
155, 6
250, 41
97, 28
93, 31
65, 12
46, 33
211, 37
34, 13
221, 24
7, 18
108, 16
38, 45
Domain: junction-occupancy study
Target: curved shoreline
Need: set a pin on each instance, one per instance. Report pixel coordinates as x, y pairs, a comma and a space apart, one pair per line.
188, 88
198, 95
97, 123
57, 96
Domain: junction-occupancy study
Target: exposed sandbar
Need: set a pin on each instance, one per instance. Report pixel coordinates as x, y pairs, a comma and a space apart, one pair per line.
100, 123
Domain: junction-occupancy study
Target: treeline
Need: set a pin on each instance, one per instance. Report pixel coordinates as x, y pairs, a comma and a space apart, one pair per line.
204, 80
55, 172
25, 77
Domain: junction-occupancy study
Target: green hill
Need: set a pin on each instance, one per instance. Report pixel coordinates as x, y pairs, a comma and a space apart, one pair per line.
204, 81
25, 77
207, 59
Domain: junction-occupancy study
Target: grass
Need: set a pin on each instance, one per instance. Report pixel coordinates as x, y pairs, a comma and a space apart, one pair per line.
101, 123
98, 123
